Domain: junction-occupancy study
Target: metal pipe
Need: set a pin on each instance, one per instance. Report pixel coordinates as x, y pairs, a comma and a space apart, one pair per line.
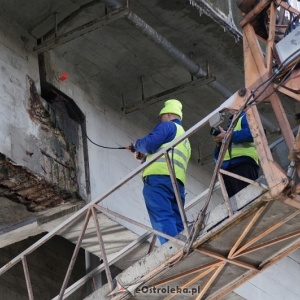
102, 249
74, 256
165, 45
97, 270
169, 48
185, 61
177, 192
27, 278
179, 56
156, 232
220, 89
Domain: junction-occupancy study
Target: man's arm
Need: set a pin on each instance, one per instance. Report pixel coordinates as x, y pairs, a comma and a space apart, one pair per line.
162, 133
243, 135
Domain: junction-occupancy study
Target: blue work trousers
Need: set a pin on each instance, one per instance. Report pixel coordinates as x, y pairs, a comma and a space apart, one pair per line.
162, 206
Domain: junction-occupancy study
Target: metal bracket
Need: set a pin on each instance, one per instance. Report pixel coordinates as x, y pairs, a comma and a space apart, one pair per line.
166, 94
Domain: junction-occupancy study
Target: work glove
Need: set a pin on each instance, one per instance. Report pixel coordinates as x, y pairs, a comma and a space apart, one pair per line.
131, 148
218, 139
139, 156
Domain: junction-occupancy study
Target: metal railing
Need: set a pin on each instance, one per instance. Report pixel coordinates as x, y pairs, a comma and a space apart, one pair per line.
91, 209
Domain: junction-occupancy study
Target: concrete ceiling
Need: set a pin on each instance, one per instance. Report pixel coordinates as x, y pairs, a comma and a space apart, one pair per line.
120, 56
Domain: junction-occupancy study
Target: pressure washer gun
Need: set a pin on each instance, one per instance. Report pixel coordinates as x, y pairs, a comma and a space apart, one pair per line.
139, 156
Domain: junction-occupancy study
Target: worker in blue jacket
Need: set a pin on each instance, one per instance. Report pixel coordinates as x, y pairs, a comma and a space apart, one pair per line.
158, 190
241, 157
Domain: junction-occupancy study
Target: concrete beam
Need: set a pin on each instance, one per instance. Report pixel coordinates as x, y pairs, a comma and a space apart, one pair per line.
79, 31
225, 13
17, 223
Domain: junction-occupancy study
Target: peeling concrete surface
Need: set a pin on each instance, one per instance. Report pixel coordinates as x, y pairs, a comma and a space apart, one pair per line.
56, 155
35, 192
35, 109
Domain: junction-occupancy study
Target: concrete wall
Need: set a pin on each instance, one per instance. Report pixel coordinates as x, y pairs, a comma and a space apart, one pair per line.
17, 61
29, 135
106, 126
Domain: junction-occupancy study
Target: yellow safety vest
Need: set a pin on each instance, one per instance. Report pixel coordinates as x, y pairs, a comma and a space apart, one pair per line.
241, 149
180, 157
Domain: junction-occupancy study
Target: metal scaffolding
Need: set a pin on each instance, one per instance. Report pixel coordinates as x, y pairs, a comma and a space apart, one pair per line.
253, 231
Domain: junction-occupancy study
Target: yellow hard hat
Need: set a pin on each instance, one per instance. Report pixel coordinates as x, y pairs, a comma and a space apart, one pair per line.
172, 106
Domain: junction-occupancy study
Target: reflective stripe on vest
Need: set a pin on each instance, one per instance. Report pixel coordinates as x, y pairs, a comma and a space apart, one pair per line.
179, 155
241, 149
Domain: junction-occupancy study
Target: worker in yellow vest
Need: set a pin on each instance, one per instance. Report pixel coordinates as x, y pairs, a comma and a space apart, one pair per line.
241, 157
158, 190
